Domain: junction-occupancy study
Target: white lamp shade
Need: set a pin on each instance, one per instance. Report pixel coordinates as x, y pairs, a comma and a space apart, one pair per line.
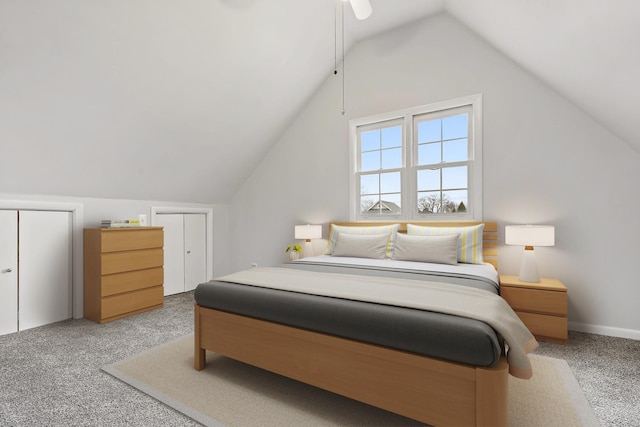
529, 235
361, 8
308, 232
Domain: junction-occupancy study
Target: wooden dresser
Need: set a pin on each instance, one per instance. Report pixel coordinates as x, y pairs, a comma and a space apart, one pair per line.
542, 306
123, 271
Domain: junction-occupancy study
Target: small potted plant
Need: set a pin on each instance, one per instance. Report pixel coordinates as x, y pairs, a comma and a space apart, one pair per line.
294, 251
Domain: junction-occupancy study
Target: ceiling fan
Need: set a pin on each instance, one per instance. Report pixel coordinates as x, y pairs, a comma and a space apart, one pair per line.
361, 8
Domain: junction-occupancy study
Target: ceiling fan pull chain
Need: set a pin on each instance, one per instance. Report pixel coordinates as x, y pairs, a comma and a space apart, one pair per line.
335, 45
343, 68
335, 37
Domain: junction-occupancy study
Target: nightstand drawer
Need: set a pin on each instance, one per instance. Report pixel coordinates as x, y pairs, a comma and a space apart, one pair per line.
545, 326
535, 300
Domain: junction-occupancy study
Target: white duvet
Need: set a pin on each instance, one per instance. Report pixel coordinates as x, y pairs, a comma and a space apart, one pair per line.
432, 296
486, 270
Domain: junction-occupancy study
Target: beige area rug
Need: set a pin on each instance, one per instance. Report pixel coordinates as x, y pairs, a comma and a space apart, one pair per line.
231, 393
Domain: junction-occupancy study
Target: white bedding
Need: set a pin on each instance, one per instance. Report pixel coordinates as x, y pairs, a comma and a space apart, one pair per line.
486, 270
430, 296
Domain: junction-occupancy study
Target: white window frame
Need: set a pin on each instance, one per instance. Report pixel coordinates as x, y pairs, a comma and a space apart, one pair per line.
408, 188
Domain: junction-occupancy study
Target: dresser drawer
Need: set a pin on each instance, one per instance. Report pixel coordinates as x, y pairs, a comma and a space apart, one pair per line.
545, 326
118, 262
131, 239
132, 280
117, 305
535, 300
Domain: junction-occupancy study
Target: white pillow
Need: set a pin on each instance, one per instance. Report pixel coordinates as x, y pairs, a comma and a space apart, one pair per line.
469, 240
437, 249
361, 245
387, 230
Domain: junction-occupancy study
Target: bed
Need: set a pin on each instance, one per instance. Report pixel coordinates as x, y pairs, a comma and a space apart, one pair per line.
366, 348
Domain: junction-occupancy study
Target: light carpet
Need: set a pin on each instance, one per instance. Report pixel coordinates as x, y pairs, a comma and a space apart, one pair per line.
230, 393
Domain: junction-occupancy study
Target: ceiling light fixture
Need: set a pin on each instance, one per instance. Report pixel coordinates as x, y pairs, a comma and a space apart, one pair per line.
361, 8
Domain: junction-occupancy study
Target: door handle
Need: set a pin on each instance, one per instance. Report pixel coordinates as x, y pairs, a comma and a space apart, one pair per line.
7, 270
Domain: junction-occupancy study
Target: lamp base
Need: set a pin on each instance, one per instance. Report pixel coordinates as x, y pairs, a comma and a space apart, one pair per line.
307, 250
529, 267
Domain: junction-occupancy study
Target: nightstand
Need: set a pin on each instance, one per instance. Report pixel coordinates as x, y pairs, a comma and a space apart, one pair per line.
542, 306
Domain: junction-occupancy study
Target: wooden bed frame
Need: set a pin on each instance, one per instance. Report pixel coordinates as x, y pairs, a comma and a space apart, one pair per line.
429, 390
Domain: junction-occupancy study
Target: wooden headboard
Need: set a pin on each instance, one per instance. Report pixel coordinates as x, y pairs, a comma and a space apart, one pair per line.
489, 235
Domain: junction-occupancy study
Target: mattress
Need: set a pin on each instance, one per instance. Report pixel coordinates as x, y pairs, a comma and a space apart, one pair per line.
428, 333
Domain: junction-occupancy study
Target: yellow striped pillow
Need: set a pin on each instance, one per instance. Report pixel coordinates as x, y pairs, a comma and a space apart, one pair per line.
391, 230
469, 242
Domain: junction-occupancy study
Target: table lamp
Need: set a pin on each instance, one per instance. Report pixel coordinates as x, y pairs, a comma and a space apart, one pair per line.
308, 232
529, 236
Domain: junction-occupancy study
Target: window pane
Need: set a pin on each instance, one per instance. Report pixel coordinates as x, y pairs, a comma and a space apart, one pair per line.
454, 177
390, 182
370, 161
455, 150
428, 179
388, 205
429, 202
429, 154
429, 131
370, 140
392, 137
392, 159
366, 203
457, 200
369, 184
455, 127
393, 198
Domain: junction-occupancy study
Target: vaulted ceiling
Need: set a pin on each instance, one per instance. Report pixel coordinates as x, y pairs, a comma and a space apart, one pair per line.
166, 100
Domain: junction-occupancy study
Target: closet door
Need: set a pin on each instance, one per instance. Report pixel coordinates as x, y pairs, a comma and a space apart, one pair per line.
195, 245
45, 247
8, 272
173, 252
185, 251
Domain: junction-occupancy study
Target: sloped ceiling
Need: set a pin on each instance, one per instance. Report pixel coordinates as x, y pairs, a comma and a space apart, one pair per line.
166, 100
588, 51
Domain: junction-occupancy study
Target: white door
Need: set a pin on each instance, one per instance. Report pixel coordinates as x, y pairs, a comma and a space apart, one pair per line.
173, 252
44, 266
195, 249
185, 254
8, 272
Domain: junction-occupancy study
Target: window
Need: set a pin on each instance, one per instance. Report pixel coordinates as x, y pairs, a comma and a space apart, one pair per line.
418, 164
380, 165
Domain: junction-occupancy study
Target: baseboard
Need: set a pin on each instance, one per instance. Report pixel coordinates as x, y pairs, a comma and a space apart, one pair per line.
631, 334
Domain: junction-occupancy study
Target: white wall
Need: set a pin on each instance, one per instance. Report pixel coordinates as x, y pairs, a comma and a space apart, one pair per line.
545, 161
93, 210
120, 92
